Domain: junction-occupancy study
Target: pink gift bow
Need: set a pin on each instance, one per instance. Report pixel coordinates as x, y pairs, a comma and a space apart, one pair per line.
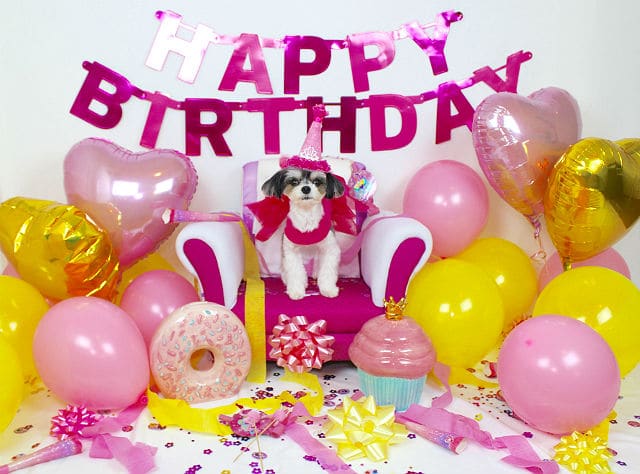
137, 459
300, 346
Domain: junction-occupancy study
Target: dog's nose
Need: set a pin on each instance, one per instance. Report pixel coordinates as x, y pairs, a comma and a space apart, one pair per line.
305, 189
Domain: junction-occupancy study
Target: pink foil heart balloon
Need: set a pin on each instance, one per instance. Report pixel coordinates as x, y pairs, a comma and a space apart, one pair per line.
518, 140
126, 193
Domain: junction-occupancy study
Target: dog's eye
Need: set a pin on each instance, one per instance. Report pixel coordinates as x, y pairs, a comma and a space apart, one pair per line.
294, 182
318, 182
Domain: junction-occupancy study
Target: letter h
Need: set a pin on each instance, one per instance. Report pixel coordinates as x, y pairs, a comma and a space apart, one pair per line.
167, 40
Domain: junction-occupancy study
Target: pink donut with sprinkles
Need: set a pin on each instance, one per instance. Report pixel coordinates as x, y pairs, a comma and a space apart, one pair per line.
199, 353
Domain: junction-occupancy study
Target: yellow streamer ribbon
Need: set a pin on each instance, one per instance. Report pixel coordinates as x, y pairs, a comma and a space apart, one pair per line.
254, 311
172, 412
313, 403
362, 429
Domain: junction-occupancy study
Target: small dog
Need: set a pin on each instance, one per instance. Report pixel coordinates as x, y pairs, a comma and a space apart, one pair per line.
308, 230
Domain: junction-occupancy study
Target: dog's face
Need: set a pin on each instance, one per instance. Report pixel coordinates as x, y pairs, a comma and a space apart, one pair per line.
302, 186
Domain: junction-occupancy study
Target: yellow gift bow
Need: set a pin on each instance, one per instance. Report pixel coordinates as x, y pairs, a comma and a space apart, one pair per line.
586, 453
362, 429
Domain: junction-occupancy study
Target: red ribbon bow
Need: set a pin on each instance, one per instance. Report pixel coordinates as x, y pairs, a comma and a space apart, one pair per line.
300, 346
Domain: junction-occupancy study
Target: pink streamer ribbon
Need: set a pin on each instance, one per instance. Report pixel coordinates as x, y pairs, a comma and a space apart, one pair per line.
327, 458
138, 458
177, 216
520, 452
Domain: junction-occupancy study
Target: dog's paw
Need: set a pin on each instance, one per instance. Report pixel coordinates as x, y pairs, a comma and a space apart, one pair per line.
329, 291
296, 292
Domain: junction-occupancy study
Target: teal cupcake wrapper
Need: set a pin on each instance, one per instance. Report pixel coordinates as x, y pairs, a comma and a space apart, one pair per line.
401, 393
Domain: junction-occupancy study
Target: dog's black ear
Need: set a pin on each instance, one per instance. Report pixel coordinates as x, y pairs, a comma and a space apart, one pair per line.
275, 185
335, 188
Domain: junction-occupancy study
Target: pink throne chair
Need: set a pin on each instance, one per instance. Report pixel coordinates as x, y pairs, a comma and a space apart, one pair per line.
392, 248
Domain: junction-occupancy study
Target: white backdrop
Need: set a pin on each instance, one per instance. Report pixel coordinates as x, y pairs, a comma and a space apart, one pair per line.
586, 47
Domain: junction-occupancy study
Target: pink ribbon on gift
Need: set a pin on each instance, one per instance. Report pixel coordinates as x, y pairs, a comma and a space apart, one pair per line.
300, 346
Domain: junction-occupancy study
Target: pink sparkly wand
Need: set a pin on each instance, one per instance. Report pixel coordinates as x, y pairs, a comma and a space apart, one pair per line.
58, 450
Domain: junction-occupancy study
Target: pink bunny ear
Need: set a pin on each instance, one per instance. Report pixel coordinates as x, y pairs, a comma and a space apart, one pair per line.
310, 154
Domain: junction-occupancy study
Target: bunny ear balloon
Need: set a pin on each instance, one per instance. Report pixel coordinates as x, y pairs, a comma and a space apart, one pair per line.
518, 140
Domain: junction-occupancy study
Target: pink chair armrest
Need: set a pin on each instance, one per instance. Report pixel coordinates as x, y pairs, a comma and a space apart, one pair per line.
394, 248
213, 252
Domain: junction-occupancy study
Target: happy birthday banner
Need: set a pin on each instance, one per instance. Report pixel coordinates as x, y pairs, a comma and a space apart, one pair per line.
248, 50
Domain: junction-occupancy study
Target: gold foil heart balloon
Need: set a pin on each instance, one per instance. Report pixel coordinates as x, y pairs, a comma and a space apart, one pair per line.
593, 197
58, 249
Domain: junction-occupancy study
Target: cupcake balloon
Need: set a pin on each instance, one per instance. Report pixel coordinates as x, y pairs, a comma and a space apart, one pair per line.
393, 356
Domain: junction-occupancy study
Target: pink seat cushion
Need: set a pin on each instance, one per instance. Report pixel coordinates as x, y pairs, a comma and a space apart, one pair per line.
345, 314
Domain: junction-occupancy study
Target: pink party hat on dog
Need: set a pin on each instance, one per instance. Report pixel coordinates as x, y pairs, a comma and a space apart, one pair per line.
310, 156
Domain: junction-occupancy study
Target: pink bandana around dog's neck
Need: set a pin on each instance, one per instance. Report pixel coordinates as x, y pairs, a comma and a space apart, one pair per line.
312, 237
310, 154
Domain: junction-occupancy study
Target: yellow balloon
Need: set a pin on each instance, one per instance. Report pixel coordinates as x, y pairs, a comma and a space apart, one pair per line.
592, 197
11, 385
511, 269
459, 307
153, 261
21, 308
605, 300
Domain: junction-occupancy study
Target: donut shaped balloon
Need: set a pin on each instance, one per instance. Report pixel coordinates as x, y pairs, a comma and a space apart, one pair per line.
199, 353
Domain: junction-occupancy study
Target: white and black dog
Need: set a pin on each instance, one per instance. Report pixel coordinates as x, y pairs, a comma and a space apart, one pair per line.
308, 230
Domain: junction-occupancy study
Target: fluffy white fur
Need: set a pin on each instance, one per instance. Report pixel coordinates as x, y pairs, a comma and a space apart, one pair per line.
305, 190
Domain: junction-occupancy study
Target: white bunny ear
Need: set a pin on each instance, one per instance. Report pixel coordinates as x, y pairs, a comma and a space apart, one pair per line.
275, 185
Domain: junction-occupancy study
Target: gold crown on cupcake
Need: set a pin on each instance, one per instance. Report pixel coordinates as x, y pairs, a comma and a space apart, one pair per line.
394, 310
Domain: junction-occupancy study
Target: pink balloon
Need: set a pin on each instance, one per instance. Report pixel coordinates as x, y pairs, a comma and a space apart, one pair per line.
10, 270
451, 200
558, 375
126, 193
89, 352
153, 296
518, 140
608, 259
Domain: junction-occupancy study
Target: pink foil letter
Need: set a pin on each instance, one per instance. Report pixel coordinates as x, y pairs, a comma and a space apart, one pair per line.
433, 45
167, 40
345, 123
91, 91
510, 83
360, 65
271, 109
214, 132
450, 93
247, 46
294, 67
378, 104
157, 109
